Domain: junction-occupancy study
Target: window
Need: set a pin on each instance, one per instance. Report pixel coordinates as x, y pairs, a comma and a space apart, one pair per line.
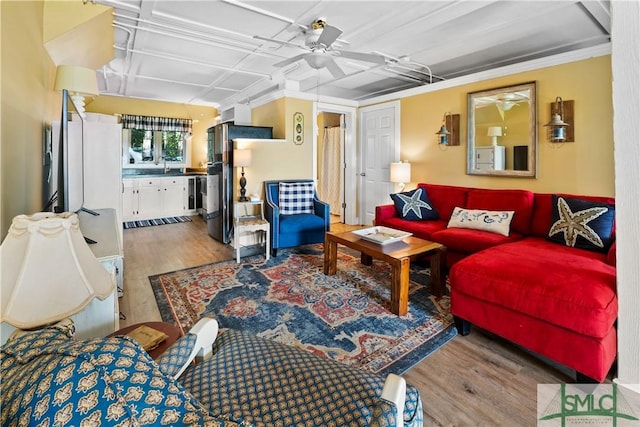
155, 141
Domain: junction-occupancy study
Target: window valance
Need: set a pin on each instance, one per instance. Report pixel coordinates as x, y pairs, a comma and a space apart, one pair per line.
167, 124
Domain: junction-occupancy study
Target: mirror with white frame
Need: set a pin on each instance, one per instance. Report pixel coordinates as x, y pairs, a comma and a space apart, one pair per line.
502, 137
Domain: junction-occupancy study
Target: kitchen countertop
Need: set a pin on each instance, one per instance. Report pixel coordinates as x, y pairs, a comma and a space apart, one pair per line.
145, 173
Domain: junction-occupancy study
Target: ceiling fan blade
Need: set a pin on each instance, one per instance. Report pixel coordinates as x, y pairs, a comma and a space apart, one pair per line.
334, 69
368, 57
329, 35
290, 60
280, 42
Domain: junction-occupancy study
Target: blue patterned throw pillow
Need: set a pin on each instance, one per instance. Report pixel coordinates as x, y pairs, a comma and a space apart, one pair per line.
414, 205
295, 197
581, 223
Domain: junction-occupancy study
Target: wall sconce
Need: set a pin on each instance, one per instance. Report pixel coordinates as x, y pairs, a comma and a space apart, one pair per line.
494, 132
449, 133
79, 81
560, 129
242, 158
400, 173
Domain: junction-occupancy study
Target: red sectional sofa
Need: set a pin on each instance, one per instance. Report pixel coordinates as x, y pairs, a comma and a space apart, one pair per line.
556, 300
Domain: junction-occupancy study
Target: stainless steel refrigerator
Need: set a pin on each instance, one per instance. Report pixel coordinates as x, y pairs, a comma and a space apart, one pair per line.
219, 204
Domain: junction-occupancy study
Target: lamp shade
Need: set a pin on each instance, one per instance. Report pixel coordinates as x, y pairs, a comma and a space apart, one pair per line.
77, 80
400, 172
48, 271
494, 131
241, 157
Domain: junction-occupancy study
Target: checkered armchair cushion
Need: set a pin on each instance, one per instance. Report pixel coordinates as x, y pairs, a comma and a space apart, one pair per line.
267, 383
296, 215
49, 379
295, 197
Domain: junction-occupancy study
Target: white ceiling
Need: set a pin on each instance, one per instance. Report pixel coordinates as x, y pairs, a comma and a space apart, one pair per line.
204, 52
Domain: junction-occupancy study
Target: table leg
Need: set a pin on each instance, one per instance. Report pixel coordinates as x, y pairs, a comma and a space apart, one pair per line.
366, 259
400, 286
330, 256
437, 272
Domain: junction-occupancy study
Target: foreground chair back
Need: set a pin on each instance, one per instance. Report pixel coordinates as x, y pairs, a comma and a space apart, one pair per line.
296, 215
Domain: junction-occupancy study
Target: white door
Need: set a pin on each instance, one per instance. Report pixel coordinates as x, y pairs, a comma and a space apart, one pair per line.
379, 147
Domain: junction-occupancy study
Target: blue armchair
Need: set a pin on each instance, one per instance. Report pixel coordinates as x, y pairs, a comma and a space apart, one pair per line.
296, 215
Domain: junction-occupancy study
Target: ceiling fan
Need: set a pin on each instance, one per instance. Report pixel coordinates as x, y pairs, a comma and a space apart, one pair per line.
318, 40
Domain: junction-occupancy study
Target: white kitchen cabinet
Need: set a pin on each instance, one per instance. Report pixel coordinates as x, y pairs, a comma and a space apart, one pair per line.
129, 199
490, 158
151, 197
173, 195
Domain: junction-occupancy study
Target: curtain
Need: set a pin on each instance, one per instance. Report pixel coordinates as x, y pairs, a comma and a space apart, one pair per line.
167, 124
330, 171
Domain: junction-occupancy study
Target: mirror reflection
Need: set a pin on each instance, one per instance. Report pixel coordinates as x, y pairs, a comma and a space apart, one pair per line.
502, 137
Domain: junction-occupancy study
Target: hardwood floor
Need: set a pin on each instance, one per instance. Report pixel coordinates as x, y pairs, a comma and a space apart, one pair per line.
477, 380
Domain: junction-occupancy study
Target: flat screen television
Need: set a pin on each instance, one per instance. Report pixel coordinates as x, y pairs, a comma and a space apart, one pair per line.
63, 164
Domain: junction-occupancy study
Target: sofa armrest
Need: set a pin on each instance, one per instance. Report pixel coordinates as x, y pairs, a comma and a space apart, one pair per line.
395, 391
384, 212
197, 343
611, 255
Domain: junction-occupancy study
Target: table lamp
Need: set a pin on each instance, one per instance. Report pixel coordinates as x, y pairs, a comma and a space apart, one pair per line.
242, 158
400, 173
79, 81
48, 270
494, 132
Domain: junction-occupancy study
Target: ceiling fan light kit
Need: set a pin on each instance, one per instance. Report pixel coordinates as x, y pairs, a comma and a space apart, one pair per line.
318, 41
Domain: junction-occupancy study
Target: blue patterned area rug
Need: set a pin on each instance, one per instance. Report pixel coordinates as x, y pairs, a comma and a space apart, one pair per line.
157, 221
289, 299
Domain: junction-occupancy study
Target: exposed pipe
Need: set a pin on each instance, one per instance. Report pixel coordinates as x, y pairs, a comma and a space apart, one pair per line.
204, 64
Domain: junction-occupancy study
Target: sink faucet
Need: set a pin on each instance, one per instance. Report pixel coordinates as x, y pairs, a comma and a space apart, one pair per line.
166, 169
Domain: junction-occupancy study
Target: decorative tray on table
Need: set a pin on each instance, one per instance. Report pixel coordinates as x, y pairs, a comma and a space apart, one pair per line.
381, 235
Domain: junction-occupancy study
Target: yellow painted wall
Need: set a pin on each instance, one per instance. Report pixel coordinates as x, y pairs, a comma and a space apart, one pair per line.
28, 103
203, 115
78, 34
280, 160
585, 166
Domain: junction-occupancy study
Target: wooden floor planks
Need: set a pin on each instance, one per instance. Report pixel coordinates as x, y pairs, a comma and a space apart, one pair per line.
478, 380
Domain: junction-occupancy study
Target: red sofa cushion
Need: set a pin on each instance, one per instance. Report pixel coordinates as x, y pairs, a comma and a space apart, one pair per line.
542, 205
470, 241
445, 198
519, 201
568, 287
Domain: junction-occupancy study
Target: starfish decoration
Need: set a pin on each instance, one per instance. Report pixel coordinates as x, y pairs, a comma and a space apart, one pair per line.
574, 224
414, 203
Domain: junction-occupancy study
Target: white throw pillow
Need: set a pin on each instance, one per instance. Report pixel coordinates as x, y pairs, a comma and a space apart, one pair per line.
497, 222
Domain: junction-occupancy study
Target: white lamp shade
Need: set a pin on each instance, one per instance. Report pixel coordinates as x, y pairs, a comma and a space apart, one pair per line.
400, 172
77, 80
241, 157
494, 131
48, 270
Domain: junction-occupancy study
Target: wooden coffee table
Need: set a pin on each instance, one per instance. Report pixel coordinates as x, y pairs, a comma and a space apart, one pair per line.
397, 254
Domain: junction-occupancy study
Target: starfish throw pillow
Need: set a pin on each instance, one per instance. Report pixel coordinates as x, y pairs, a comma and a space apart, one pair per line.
581, 223
414, 205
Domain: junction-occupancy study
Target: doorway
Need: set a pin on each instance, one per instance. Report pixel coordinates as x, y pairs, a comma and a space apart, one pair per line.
343, 168
330, 157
